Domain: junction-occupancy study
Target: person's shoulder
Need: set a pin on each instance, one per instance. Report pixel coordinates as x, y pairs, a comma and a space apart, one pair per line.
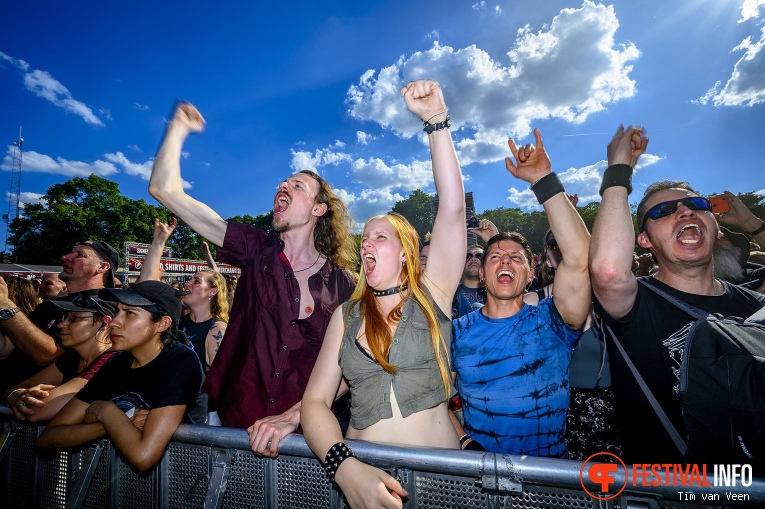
743, 293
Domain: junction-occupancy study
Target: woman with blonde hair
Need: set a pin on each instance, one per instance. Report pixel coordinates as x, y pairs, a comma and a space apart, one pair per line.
391, 337
209, 312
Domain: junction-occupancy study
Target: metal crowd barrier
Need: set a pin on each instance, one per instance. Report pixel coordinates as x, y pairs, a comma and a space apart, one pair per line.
213, 467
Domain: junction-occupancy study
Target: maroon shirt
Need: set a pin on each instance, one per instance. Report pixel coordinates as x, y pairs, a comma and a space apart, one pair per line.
266, 357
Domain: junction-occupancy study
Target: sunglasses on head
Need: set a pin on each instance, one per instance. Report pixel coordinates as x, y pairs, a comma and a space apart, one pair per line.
477, 256
666, 208
90, 302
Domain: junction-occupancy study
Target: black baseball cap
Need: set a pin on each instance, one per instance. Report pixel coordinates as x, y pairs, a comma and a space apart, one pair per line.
147, 293
108, 254
84, 303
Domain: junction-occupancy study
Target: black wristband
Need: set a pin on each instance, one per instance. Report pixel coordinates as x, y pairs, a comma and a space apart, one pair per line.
335, 456
617, 175
547, 187
758, 230
429, 128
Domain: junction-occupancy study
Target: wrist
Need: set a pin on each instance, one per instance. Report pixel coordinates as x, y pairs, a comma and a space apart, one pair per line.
547, 187
10, 400
617, 175
756, 230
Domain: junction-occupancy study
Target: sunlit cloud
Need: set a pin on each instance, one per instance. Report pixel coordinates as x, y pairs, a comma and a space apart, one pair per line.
584, 182
490, 97
746, 86
42, 84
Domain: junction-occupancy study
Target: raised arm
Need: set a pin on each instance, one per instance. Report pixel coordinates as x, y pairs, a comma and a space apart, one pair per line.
150, 270
740, 215
572, 279
613, 234
362, 484
166, 184
448, 243
26, 335
208, 256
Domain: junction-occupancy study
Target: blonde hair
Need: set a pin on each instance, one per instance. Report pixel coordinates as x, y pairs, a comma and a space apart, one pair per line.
376, 327
219, 306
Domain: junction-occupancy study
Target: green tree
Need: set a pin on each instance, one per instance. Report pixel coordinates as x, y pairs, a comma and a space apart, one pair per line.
80, 209
416, 209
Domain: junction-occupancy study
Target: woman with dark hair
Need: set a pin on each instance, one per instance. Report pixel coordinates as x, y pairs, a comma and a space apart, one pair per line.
84, 332
154, 370
391, 336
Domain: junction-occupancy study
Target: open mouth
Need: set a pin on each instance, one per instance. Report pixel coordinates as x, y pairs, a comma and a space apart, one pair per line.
689, 234
369, 263
281, 203
505, 276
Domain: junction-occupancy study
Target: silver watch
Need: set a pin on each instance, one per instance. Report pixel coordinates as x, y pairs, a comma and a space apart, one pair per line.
7, 313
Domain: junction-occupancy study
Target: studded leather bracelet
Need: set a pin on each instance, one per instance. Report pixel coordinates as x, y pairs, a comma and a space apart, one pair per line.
335, 456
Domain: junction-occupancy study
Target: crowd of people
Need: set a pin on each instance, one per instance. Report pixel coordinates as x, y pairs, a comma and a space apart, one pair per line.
437, 343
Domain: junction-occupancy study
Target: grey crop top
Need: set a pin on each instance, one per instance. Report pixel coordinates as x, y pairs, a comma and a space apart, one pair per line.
417, 380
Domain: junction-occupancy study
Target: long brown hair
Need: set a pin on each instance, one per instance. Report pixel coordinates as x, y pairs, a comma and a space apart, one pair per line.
332, 235
376, 325
22, 292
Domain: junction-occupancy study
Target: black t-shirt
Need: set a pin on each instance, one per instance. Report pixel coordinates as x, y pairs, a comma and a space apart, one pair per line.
174, 377
653, 334
197, 334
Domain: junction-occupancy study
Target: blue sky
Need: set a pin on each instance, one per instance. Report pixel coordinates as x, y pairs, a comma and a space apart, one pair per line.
299, 85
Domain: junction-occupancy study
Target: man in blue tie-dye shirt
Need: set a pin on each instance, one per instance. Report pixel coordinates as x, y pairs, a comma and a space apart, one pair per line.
511, 361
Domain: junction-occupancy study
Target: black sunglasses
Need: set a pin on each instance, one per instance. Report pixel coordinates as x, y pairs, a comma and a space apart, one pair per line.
666, 208
88, 301
478, 256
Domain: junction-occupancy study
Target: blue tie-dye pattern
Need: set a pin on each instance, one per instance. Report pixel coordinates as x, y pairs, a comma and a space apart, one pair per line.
512, 375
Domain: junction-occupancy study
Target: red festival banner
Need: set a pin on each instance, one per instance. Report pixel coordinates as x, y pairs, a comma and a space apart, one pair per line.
185, 266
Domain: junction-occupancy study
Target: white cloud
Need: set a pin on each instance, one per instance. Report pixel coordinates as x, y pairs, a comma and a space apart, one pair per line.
26, 198
142, 170
46, 86
302, 160
142, 107
363, 138
338, 144
376, 174
497, 9
750, 9
135, 148
584, 182
369, 202
489, 98
105, 113
746, 86
479, 6
41, 163
185, 155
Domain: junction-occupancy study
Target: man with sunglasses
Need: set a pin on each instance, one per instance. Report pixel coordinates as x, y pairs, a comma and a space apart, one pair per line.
88, 268
679, 229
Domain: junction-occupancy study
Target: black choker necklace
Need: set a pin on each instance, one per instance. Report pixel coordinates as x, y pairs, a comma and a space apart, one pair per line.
389, 291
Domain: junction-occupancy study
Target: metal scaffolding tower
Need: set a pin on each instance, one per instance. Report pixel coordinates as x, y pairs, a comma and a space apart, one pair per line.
15, 194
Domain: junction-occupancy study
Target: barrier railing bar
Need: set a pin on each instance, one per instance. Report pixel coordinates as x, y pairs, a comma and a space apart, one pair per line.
217, 486
85, 475
496, 474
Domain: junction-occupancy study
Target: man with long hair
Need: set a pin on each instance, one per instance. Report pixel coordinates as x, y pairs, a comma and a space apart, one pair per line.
292, 280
